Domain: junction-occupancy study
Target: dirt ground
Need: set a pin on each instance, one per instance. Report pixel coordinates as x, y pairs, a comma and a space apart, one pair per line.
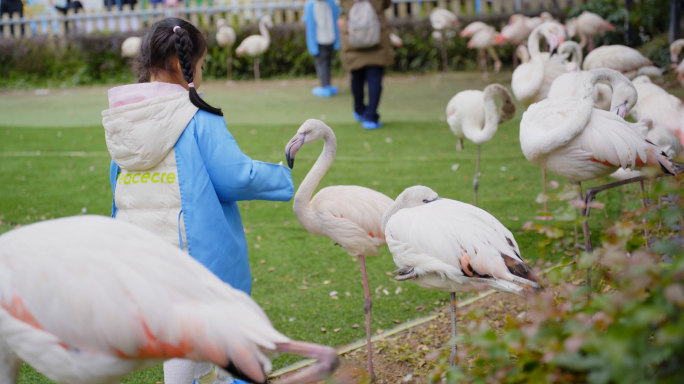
409, 356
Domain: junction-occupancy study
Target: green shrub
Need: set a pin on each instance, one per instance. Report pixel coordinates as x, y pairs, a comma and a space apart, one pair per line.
96, 59
631, 330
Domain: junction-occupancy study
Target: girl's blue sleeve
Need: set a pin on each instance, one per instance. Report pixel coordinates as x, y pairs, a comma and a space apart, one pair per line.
234, 175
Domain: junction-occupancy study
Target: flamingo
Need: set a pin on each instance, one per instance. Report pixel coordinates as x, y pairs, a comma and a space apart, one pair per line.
515, 32
523, 53
483, 38
225, 38
453, 247
569, 84
531, 81
255, 45
586, 26
655, 103
675, 50
130, 48
473, 115
347, 214
621, 58
95, 299
572, 139
442, 20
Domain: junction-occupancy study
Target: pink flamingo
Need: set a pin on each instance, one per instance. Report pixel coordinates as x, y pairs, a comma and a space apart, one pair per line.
586, 26
89, 299
347, 214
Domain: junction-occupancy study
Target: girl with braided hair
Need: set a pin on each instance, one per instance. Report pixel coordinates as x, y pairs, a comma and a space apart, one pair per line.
177, 171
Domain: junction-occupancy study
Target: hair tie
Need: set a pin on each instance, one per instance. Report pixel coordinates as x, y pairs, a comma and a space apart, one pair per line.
191, 85
176, 28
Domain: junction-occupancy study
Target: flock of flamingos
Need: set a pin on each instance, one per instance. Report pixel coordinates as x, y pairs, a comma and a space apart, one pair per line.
83, 307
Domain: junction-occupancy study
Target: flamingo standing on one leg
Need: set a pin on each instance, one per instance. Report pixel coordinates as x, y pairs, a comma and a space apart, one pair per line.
574, 140
484, 40
586, 26
349, 215
225, 38
473, 115
255, 45
453, 247
89, 299
441, 20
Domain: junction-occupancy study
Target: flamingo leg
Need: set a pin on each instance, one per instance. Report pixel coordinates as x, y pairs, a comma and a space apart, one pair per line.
256, 69
229, 64
591, 44
367, 306
445, 60
477, 171
515, 56
643, 204
546, 203
585, 224
328, 361
495, 57
483, 64
452, 358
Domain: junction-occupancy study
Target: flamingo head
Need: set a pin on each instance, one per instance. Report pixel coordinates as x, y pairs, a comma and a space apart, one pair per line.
309, 132
500, 39
411, 197
624, 98
268, 21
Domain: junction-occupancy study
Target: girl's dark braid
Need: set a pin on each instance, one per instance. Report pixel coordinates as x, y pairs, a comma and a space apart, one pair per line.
184, 53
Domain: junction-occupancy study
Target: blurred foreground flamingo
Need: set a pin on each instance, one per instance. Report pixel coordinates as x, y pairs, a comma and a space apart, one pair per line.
88, 299
572, 139
473, 115
453, 247
347, 214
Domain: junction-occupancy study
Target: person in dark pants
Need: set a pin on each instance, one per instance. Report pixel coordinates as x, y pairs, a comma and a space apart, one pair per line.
11, 7
367, 66
322, 39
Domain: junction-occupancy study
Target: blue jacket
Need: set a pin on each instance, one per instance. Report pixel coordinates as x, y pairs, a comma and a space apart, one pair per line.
310, 22
212, 175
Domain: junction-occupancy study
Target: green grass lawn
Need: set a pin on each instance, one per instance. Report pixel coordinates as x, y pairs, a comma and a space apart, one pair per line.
70, 176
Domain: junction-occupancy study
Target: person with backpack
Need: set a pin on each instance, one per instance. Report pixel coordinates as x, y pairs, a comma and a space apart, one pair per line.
322, 40
366, 51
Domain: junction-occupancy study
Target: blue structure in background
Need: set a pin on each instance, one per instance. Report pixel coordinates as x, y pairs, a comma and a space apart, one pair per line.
478, 6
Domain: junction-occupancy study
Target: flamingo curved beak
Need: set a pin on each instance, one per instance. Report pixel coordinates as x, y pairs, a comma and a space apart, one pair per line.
620, 110
292, 147
674, 57
500, 39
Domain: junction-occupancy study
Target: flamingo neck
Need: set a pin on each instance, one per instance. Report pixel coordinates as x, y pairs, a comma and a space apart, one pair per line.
616, 80
302, 199
264, 32
533, 45
395, 207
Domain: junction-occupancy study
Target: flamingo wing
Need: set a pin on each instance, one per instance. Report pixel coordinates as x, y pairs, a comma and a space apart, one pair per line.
352, 217
97, 286
458, 241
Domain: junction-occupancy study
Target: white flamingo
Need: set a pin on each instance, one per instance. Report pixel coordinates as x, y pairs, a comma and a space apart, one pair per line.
256, 45
531, 81
225, 38
349, 215
586, 26
483, 38
130, 48
522, 53
442, 20
473, 115
655, 103
396, 40
88, 299
675, 49
620, 58
453, 247
515, 32
572, 139
569, 84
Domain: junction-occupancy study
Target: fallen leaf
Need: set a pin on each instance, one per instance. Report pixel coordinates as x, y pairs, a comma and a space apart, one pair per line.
396, 321
304, 287
337, 330
271, 269
389, 273
259, 237
347, 294
380, 331
334, 298
262, 261
356, 326
326, 282
323, 330
420, 308
543, 218
606, 288
596, 205
257, 246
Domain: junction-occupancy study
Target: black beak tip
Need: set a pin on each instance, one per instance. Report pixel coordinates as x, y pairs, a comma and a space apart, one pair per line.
290, 160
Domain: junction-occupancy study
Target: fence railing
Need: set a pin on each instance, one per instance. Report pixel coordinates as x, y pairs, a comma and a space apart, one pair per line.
239, 13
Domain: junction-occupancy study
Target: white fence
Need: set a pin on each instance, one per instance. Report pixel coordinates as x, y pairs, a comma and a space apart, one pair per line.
241, 12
